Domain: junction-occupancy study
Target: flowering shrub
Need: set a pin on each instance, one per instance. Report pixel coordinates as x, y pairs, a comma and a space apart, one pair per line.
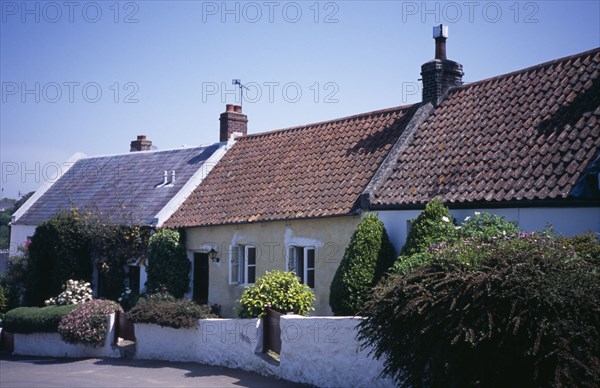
75, 292
486, 225
87, 324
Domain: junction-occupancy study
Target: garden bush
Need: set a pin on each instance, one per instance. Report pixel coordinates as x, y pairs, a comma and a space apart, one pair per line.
369, 255
87, 324
278, 289
27, 320
181, 313
527, 315
168, 265
586, 246
486, 225
75, 292
433, 225
59, 251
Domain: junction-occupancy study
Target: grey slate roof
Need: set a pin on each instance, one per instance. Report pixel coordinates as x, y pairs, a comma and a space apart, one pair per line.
121, 187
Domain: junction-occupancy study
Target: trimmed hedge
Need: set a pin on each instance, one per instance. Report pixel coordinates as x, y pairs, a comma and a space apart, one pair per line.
369, 255
180, 313
27, 320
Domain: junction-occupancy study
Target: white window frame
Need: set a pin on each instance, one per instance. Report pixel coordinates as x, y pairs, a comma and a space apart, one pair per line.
238, 256
292, 263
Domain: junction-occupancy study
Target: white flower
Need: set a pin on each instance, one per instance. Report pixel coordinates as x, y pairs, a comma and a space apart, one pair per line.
477, 213
467, 218
445, 219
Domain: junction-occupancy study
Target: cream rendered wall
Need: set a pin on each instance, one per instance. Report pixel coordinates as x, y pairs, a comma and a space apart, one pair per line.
329, 237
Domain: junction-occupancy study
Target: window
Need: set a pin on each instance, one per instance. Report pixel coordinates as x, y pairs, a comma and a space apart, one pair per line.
242, 264
301, 260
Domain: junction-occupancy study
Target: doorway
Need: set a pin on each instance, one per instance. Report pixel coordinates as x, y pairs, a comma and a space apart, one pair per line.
201, 277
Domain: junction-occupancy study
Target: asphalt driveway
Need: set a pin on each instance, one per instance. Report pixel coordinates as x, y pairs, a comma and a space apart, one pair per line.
27, 371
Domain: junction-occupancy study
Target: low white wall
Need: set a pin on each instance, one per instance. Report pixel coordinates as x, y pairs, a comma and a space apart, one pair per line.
226, 342
322, 351
51, 345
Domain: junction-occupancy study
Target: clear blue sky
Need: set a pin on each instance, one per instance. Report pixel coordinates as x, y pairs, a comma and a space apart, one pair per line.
164, 69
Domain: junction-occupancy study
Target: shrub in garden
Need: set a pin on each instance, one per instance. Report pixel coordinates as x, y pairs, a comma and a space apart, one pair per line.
60, 250
527, 315
75, 292
486, 225
278, 289
433, 225
87, 324
369, 255
168, 265
27, 320
586, 246
128, 299
181, 313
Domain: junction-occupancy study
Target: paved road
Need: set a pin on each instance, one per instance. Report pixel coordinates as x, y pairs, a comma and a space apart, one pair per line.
27, 371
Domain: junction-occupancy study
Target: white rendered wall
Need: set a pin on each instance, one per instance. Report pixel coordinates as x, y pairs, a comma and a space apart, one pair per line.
18, 236
567, 221
51, 345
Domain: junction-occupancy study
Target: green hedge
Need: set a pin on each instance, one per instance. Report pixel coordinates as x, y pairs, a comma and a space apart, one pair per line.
27, 320
177, 314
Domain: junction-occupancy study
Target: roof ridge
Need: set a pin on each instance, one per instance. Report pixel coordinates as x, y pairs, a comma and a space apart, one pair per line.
150, 151
526, 69
346, 118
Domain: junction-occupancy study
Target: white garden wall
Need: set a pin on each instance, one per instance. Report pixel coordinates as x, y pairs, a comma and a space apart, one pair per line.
322, 351
51, 345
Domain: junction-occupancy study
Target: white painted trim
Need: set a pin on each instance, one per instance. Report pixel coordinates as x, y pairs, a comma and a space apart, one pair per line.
177, 200
39, 192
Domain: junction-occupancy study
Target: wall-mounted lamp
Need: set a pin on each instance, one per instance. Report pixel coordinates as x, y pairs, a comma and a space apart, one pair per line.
212, 254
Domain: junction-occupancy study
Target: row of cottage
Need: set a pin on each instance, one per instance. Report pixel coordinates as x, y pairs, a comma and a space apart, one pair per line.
524, 145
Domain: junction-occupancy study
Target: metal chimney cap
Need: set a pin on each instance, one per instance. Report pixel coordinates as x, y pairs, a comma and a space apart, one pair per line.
440, 31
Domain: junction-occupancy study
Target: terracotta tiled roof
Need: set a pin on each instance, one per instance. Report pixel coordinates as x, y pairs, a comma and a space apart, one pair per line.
527, 135
310, 171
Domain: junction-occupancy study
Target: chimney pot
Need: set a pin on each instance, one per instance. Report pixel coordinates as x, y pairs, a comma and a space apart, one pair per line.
140, 144
232, 121
440, 74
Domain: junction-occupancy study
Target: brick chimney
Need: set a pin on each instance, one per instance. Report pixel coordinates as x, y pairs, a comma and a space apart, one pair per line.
232, 121
440, 74
140, 144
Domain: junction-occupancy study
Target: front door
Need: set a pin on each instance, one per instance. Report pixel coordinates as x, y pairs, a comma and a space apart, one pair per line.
201, 277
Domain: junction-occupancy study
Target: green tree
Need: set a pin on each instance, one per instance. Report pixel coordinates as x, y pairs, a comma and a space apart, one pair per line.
278, 289
168, 266
368, 256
